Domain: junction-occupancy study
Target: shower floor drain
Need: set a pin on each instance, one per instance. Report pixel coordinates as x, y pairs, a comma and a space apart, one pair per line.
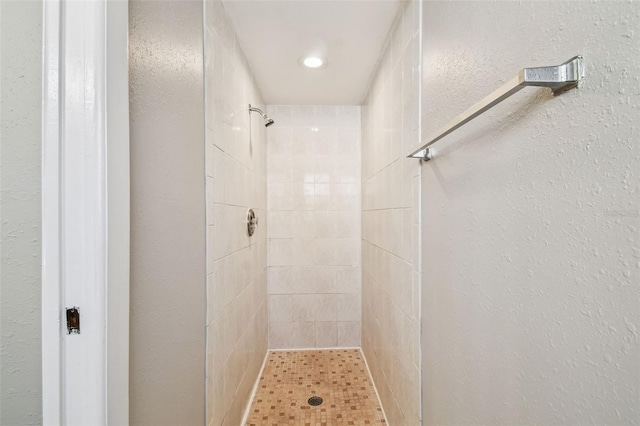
315, 400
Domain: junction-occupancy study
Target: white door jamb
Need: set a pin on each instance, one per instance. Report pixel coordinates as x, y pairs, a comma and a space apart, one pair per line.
85, 225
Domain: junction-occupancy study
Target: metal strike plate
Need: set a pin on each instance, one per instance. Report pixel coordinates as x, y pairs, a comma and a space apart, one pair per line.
73, 320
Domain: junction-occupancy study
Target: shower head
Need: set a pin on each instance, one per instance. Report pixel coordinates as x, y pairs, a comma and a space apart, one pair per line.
267, 121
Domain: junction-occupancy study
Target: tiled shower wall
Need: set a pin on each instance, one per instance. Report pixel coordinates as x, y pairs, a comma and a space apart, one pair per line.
390, 223
236, 263
314, 226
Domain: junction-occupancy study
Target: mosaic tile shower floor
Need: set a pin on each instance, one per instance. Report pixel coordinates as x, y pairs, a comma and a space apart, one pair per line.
339, 376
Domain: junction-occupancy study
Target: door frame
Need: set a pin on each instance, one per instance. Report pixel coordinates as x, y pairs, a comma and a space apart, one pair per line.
85, 211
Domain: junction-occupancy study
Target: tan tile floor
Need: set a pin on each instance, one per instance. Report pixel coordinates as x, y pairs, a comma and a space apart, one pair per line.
339, 376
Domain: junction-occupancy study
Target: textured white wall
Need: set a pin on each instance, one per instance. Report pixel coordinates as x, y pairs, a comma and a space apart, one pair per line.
531, 216
168, 276
314, 226
390, 222
236, 166
20, 223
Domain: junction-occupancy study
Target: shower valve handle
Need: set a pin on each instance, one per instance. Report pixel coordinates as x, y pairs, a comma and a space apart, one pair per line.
252, 222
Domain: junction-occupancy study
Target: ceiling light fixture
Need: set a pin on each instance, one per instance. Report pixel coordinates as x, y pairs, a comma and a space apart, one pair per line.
312, 62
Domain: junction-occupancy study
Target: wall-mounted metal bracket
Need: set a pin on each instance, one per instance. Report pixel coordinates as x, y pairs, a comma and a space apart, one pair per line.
559, 78
424, 155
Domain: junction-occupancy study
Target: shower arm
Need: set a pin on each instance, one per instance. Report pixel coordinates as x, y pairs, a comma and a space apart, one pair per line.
258, 110
267, 121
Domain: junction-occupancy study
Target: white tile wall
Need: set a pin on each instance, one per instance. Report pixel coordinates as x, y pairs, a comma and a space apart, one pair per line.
236, 264
314, 226
390, 217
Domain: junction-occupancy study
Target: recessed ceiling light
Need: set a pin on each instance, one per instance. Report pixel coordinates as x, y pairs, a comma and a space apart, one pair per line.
312, 62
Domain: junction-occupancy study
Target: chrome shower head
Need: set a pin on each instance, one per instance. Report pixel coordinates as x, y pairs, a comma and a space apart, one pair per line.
267, 121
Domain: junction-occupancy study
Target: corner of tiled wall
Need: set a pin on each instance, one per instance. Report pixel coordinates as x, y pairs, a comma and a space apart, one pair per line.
390, 222
236, 263
314, 226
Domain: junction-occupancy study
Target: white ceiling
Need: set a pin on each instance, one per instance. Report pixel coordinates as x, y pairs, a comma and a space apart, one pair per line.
348, 33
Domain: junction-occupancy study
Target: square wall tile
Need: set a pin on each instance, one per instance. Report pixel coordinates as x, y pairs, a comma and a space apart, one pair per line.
304, 307
349, 333
280, 335
280, 308
326, 334
303, 335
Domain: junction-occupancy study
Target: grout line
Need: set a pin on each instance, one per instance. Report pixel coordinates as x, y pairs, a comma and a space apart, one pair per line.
245, 417
316, 349
382, 208
420, 314
375, 388
387, 251
316, 239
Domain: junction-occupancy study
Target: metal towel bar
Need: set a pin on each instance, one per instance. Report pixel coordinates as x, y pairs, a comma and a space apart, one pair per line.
558, 78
